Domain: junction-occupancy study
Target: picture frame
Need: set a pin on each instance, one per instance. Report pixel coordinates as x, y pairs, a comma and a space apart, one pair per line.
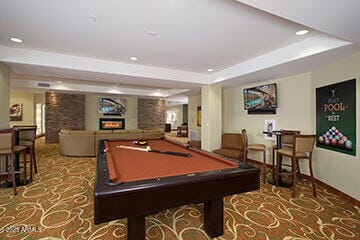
198, 116
16, 112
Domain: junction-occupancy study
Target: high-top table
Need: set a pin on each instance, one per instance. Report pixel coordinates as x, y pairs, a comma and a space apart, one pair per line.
278, 134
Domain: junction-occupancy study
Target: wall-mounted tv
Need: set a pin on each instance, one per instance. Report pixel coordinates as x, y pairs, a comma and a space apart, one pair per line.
261, 99
112, 106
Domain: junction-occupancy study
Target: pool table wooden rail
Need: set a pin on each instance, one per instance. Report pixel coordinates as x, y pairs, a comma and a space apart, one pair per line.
134, 200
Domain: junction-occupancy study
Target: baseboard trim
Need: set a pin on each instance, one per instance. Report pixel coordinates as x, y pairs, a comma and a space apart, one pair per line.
325, 185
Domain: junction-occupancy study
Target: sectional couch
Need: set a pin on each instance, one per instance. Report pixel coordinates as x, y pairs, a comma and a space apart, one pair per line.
85, 143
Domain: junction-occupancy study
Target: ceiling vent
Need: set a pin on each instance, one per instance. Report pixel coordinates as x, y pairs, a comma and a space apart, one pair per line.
43, 85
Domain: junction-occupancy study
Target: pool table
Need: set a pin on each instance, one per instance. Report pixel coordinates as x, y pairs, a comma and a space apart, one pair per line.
131, 183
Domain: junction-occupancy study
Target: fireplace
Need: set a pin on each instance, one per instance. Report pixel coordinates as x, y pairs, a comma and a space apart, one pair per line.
111, 123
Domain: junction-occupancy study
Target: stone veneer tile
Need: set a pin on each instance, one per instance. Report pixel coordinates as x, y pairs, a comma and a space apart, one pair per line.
151, 113
63, 111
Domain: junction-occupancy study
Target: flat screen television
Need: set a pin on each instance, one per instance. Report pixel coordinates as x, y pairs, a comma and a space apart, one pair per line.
261, 99
112, 106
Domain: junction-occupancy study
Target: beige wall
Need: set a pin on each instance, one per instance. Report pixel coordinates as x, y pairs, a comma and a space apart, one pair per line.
294, 98
178, 117
4, 96
194, 102
92, 114
39, 98
296, 101
28, 107
336, 169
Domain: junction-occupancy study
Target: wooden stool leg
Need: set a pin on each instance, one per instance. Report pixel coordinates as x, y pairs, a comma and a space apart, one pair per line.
34, 157
273, 163
295, 179
264, 165
12, 171
31, 162
312, 176
277, 170
25, 170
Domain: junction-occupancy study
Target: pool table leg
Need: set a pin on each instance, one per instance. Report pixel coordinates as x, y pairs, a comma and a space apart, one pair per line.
214, 217
136, 228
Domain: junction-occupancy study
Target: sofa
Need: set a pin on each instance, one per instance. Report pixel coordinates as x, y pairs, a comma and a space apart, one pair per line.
231, 146
85, 143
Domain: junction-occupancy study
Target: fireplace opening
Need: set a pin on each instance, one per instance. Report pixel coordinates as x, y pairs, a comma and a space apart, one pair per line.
111, 123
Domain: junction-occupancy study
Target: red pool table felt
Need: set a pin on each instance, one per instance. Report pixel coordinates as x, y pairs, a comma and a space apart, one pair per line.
127, 165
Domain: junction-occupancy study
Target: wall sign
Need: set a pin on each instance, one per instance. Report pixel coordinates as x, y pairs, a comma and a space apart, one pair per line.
336, 117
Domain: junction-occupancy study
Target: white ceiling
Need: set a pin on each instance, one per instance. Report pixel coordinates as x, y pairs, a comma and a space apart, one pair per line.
240, 40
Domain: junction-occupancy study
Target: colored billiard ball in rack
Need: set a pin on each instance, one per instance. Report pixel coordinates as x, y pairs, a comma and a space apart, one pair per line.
333, 137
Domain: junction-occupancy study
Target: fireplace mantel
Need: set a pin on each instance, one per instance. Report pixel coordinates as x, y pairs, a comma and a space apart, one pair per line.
111, 123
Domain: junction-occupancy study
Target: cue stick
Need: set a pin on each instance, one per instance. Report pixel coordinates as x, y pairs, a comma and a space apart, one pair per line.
135, 148
148, 149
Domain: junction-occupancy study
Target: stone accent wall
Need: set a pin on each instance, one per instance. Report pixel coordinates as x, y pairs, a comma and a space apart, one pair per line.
151, 113
63, 111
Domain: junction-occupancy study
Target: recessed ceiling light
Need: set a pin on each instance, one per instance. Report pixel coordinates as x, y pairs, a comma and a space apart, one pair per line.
59, 82
159, 90
210, 70
92, 18
17, 40
302, 32
133, 58
151, 33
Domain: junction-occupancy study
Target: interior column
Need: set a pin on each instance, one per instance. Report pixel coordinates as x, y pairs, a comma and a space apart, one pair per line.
4, 96
211, 115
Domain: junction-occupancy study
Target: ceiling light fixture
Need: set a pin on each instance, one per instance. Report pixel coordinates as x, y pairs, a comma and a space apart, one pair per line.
302, 32
133, 59
17, 40
59, 82
92, 18
151, 33
210, 70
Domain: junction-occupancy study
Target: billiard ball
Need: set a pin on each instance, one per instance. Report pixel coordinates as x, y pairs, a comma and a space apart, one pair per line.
327, 141
340, 134
321, 139
330, 137
333, 128
344, 138
336, 131
337, 137
348, 145
333, 142
341, 143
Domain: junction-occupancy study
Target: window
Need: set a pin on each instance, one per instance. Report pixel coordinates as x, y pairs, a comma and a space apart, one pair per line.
40, 118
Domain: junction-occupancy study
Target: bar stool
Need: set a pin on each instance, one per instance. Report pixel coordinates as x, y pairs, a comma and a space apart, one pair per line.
256, 148
27, 136
303, 147
7, 150
286, 137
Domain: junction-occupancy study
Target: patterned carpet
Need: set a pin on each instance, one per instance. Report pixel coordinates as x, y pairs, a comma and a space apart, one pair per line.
58, 204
